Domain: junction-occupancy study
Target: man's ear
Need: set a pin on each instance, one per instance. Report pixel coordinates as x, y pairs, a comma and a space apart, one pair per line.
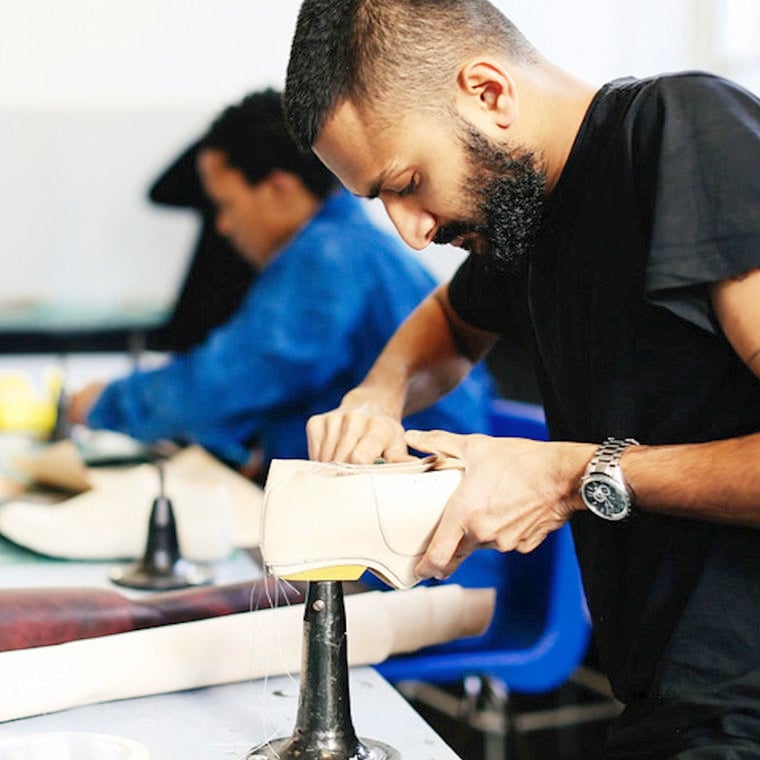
487, 91
282, 181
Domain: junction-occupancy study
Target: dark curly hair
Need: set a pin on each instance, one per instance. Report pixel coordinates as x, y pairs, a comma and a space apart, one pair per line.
254, 138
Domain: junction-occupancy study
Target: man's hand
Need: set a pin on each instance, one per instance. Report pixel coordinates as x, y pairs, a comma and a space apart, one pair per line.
513, 493
359, 431
82, 401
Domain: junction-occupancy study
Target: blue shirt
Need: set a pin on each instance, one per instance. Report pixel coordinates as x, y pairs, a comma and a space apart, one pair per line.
314, 321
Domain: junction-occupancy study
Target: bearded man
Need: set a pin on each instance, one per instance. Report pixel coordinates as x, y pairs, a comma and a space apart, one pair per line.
617, 230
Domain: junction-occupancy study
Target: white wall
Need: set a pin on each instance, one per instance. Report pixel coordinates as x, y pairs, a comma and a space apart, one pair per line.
96, 97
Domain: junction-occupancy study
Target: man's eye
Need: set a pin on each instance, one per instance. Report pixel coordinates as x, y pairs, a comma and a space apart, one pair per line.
409, 189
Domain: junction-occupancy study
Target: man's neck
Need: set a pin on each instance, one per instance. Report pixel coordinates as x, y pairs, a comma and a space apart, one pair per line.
296, 213
555, 104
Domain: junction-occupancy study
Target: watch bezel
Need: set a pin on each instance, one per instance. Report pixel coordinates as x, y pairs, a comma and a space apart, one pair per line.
620, 488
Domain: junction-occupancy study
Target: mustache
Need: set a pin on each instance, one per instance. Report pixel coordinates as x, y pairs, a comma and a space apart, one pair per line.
453, 230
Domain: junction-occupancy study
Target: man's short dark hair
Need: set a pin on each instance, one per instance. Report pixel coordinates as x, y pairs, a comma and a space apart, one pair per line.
254, 138
375, 51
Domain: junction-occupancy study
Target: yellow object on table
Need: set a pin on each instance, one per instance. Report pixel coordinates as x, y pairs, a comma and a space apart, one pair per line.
25, 408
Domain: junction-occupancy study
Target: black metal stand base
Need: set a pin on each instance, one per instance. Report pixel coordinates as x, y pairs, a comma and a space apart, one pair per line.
290, 749
324, 730
181, 574
161, 568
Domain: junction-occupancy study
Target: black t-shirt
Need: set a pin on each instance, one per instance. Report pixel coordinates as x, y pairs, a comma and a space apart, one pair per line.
660, 197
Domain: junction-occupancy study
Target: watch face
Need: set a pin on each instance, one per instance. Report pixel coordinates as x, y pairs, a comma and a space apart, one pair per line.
606, 498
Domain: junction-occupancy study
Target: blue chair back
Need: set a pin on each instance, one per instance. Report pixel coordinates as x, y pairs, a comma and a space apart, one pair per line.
518, 419
540, 630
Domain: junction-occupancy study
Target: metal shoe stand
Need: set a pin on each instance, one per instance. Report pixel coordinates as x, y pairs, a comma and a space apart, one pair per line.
324, 729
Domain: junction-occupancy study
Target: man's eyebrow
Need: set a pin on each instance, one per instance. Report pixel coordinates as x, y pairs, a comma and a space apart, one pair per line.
376, 186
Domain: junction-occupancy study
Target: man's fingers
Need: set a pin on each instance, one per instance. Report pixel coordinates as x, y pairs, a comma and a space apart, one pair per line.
315, 436
331, 435
360, 439
437, 558
449, 539
355, 437
323, 434
434, 442
375, 444
397, 451
353, 429
365, 439
465, 548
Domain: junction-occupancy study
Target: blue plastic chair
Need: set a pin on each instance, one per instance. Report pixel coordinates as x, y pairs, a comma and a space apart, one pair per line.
540, 630
519, 419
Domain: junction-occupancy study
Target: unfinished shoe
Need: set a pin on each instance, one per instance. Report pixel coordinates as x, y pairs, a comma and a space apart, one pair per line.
332, 521
216, 509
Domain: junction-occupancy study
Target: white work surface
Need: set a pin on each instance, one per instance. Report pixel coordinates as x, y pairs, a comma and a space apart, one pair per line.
20, 568
226, 722
220, 722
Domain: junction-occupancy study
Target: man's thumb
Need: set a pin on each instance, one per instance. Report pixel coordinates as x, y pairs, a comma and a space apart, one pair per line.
431, 441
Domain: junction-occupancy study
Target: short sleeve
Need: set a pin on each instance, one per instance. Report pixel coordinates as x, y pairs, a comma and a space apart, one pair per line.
705, 214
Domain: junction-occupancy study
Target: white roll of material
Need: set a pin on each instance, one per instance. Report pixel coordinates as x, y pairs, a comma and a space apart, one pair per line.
230, 648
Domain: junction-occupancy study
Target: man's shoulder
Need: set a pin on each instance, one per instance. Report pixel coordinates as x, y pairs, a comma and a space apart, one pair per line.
683, 90
673, 109
671, 81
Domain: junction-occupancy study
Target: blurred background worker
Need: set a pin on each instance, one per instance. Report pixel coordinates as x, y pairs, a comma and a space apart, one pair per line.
217, 277
330, 289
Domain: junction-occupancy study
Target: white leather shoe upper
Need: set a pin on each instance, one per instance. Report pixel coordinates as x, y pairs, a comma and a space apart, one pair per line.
319, 516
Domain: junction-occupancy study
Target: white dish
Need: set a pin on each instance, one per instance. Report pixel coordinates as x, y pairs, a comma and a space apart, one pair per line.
71, 745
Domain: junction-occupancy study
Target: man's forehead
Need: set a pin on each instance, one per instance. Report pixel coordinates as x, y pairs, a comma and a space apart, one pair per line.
353, 148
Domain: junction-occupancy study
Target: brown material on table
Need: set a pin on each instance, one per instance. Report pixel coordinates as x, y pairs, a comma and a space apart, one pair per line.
43, 616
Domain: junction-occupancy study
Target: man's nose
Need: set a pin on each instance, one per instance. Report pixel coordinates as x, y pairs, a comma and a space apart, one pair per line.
415, 225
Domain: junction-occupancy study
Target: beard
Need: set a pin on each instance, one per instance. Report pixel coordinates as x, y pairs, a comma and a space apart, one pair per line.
505, 189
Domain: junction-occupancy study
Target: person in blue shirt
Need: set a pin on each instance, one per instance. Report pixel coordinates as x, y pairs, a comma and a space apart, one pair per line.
331, 288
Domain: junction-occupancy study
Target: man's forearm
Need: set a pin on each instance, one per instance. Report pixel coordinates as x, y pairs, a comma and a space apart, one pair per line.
428, 355
714, 481
711, 481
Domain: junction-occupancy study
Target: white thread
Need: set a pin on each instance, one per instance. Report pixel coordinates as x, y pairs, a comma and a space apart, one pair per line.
264, 713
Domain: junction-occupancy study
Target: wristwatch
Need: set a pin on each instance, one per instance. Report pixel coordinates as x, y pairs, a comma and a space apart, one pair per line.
603, 489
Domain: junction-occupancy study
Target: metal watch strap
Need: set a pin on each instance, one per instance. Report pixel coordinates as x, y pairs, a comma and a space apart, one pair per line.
606, 458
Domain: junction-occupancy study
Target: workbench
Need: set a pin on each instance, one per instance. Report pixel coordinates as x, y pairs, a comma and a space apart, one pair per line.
220, 722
